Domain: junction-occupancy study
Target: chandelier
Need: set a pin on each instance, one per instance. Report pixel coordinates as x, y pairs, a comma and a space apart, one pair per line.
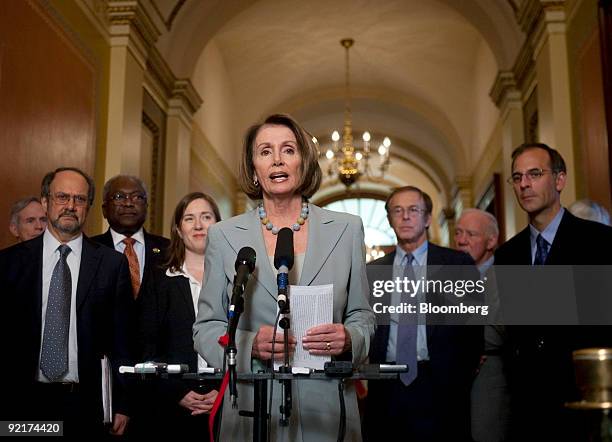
348, 161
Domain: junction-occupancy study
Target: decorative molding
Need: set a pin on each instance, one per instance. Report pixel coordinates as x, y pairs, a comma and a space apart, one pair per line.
528, 15
183, 90
538, 18
129, 25
122, 13
161, 72
170, 19
524, 67
553, 21
178, 93
155, 195
174, 13
504, 89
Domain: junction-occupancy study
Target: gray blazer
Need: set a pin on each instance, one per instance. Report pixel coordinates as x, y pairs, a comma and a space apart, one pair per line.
334, 254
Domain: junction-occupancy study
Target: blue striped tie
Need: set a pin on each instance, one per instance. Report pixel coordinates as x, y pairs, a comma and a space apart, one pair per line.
54, 355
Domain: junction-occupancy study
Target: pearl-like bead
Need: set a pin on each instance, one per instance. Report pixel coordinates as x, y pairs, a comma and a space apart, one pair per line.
295, 227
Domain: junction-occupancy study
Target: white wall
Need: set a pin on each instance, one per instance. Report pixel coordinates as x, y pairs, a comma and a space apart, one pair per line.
216, 117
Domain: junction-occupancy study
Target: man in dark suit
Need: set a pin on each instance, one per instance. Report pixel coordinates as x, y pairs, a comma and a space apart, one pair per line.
125, 204
433, 402
125, 208
65, 305
541, 371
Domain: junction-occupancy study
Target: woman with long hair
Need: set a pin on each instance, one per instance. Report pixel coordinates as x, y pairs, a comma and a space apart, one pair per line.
169, 309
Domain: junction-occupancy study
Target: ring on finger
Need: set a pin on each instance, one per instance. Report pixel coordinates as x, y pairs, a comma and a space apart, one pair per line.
327, 346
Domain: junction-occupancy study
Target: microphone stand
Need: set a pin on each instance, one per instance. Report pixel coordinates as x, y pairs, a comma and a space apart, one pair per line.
285, 324
231, 350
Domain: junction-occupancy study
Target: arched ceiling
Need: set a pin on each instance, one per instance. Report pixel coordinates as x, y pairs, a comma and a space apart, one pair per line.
420, 70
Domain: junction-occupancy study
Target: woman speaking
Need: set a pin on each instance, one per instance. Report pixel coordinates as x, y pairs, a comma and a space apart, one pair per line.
279, 168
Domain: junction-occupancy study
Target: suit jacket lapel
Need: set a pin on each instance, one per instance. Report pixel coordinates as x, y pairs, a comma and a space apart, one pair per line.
434, 260
557, 252
148, 255
525, 248
87, 271
246, 230
107, 239
184, 287
381, 336
323, 235
34, 263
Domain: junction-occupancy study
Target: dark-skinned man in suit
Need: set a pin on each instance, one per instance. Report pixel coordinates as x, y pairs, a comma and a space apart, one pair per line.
125, 205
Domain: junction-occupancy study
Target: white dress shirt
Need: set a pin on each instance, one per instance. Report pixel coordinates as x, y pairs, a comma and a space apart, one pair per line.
50, 257
419, 265
139, 246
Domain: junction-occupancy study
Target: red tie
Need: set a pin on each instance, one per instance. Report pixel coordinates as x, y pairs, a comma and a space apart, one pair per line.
132, 258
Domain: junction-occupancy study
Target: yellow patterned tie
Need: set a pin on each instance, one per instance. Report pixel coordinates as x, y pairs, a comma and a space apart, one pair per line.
132, 258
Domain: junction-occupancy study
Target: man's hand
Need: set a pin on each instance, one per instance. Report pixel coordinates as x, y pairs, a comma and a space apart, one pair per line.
120, 422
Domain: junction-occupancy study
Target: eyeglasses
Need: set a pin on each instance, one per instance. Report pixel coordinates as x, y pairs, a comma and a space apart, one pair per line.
531, 175
122, 198
398, 211
64, 198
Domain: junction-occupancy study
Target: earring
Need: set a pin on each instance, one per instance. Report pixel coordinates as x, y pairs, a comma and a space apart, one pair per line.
255, 181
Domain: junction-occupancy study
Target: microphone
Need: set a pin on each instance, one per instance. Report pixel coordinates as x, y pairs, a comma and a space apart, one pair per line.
245, 264
283, 262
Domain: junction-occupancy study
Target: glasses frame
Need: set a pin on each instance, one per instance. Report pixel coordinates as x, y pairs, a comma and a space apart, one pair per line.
531, 175
121, 198
399, 211
63, 199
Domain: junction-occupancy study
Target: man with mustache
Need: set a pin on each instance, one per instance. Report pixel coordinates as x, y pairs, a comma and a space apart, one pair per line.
541, 370
125, 208
66, 302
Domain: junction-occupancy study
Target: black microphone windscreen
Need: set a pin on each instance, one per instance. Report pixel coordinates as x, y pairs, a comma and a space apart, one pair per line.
246, 255
284, 248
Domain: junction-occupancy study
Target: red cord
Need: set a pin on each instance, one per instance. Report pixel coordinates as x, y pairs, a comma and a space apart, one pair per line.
223, 340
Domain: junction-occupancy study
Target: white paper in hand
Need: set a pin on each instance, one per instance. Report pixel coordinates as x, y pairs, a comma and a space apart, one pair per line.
310, 306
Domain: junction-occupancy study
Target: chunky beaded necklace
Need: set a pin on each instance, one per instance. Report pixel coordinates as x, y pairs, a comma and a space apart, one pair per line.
295, 227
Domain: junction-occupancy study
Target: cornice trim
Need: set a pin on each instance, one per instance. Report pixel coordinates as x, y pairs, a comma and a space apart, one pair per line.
504, 89
178, 92
122, 13
524, 66
187, 93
